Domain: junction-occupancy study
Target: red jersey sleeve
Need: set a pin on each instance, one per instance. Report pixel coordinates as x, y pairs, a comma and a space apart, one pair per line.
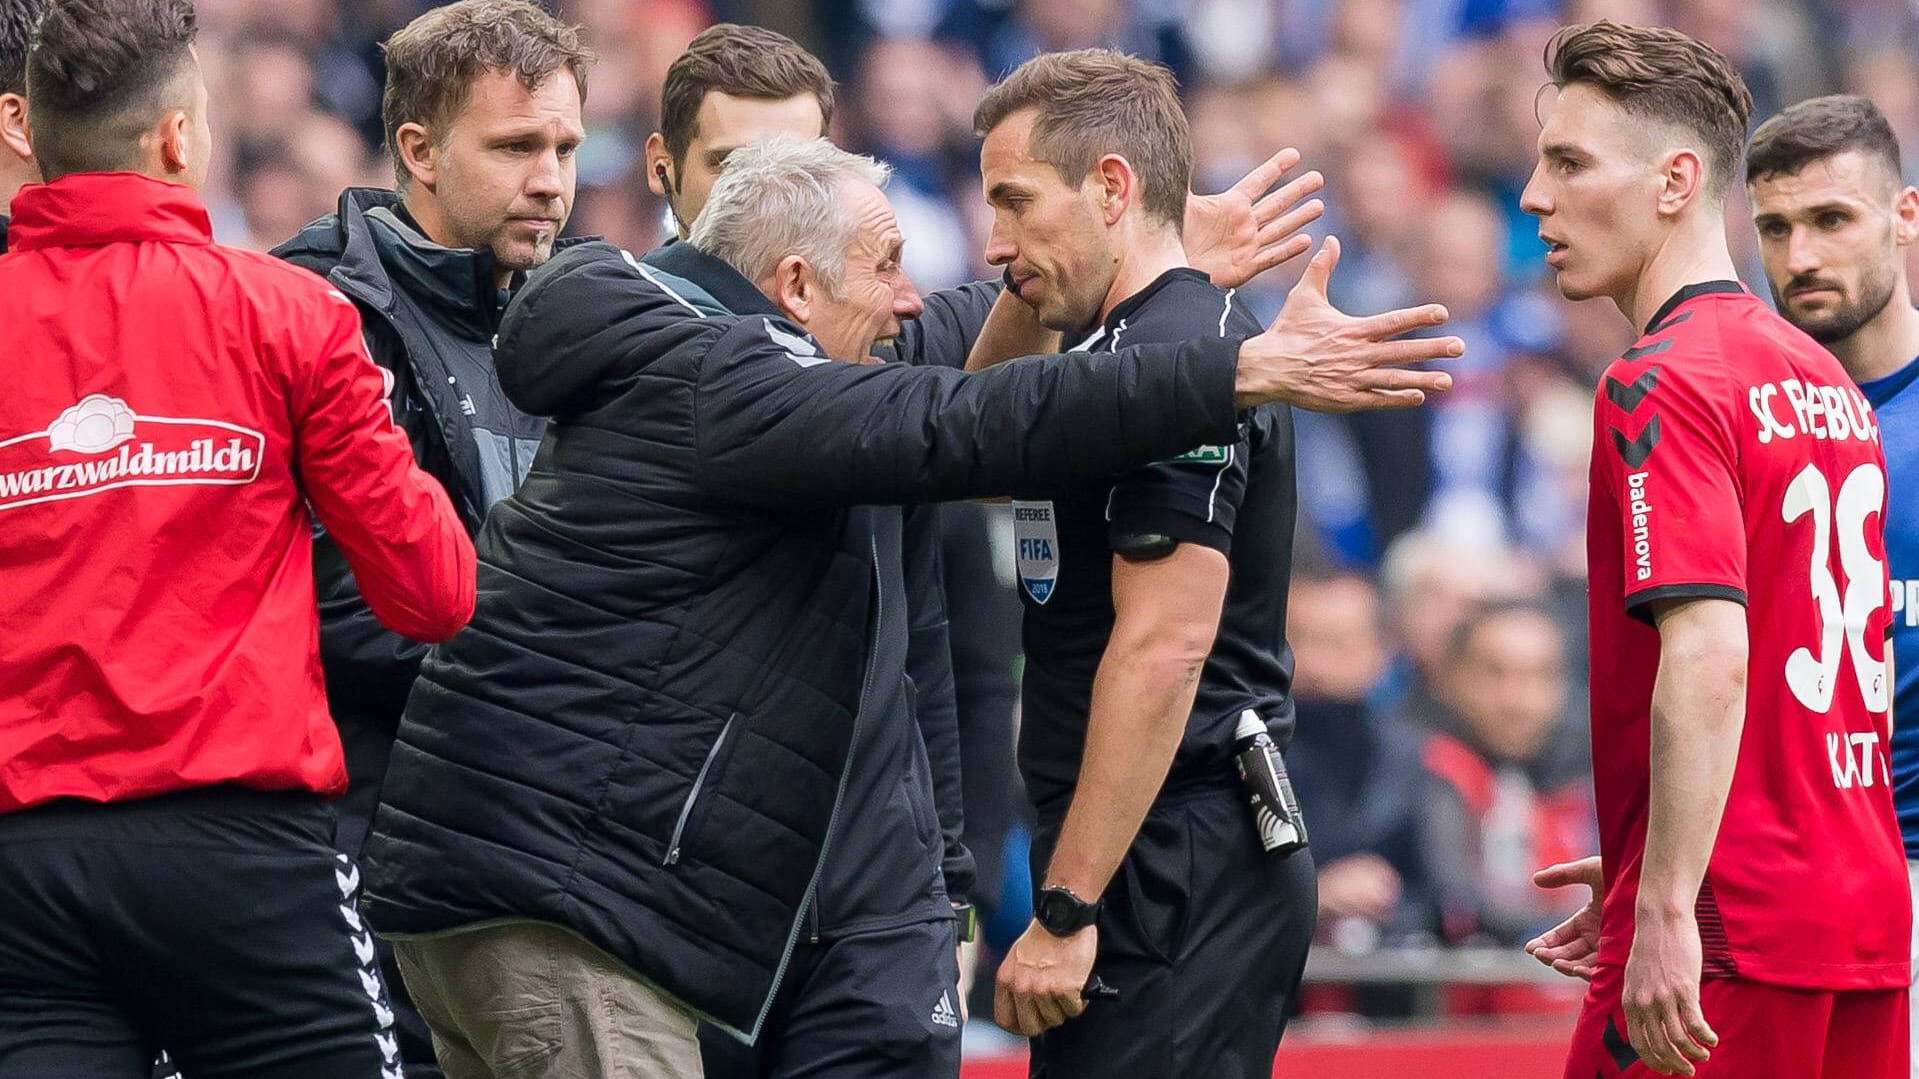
1667, 452
393, 522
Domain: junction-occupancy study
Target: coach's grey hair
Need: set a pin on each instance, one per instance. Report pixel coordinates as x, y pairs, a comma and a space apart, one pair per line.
782, 197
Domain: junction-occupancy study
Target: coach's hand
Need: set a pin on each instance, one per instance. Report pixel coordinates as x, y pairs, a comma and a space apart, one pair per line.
1572, 946
1317, 357
1041, 978
1242, 232
1661, 996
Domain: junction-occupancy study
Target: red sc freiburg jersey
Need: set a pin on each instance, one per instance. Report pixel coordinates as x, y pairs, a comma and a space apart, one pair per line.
172, 410
1733, 459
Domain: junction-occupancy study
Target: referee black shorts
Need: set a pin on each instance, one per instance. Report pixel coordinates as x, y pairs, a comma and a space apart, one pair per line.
1204, 934
218, 924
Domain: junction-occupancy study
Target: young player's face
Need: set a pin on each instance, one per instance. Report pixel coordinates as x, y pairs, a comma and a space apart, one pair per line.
1051, 234
874, 294
724, 124
1830, 236
504, 172
1595, 192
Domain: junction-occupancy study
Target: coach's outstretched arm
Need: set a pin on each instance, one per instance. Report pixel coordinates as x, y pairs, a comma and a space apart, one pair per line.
777, 427
1698, 714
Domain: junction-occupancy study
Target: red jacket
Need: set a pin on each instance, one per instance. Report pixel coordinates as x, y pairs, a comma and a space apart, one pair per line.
173, 409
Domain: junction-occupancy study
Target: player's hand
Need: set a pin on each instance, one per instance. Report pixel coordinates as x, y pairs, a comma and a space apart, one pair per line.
1661, 996
1242, 232
1572, 946
1041, 978
1317, 357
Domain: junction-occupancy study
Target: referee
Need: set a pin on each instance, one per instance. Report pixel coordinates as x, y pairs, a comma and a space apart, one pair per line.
166, 863
1155, 615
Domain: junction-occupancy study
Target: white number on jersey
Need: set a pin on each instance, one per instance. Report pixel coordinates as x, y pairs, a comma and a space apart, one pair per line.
1811, 676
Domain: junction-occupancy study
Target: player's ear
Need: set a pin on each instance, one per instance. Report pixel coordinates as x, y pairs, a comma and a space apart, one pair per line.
1116, 186
13, 126
1905, 216
1682, 179
171, 142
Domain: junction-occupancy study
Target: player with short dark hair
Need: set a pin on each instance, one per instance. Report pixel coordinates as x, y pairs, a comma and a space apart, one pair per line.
1756, 917
1835, 220
179, 417
1155, 618
17, 168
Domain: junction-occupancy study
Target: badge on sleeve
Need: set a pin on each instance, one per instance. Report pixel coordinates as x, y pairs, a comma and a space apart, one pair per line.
1036, 544
1206, 455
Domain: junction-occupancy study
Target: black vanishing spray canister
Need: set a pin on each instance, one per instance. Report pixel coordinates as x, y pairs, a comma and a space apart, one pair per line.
1275, 808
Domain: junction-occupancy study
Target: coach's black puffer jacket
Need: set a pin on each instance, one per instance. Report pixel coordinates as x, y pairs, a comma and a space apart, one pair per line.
641, 735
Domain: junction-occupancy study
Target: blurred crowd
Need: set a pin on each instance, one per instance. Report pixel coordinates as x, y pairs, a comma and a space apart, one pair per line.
1438, 607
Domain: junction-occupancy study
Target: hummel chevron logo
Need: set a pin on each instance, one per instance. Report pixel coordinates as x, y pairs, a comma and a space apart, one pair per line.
1669, 323
1640, 352
1629, 395
1635, 451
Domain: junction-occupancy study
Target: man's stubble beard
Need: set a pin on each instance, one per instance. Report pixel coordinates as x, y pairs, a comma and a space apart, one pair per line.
1849, 318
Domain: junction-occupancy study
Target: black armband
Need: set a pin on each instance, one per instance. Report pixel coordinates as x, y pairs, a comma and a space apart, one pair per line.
1143, 546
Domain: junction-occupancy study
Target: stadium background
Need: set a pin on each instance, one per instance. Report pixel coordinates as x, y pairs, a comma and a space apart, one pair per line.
1440, 769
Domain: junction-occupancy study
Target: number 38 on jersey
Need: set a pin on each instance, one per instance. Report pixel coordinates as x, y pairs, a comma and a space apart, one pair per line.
1845, 608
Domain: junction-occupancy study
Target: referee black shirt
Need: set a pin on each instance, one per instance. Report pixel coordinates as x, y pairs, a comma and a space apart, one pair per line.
1237, 499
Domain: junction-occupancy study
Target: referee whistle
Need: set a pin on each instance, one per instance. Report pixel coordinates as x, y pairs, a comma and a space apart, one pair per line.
1098, 990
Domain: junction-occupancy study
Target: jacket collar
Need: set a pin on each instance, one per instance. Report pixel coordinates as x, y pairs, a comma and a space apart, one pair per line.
721, 281
385, 253
91, 209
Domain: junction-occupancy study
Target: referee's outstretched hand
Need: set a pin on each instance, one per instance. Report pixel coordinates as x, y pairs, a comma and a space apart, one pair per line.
1317, 357
1243, 231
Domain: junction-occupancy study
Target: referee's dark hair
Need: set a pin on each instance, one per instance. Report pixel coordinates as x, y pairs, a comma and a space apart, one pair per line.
16, 32
1818, 128
1659, 74
1094, 102
102, 73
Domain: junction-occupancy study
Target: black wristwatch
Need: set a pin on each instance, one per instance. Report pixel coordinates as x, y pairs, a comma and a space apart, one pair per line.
1062, 913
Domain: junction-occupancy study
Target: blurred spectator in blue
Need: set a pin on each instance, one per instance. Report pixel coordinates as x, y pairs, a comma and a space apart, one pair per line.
1507, 789
1357, 770
1006, 33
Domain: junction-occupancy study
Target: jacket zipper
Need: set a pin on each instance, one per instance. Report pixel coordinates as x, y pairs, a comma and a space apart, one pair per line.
692, 796
839, 798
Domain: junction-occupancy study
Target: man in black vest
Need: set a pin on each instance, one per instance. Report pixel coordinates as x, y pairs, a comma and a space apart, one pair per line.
482, 116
